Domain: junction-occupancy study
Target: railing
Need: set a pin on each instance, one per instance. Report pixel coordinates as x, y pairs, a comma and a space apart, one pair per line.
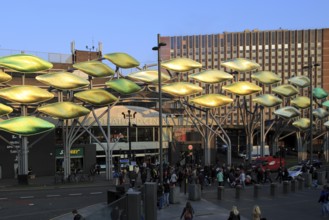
51, 57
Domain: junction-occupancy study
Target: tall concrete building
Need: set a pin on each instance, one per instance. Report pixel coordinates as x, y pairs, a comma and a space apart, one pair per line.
283, 52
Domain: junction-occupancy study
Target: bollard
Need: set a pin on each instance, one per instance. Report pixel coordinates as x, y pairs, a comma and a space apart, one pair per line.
286, 186
257, 187
150, 204
293, 185
301, 183
194, 192
134, 205
237, 191
174, 195
220, 192
321, 176
307, 179
274, 187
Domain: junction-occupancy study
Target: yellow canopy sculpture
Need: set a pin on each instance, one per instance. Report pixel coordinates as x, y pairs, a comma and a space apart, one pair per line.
268, 100
122, 60
242, 88
25, 94
26, 125
63, 80
4, 77
241, 65
180, 89
211, 100
181, 64
5, 110
266, 77
64, 110
302, 123
301, 102
123, 86
97, 97
148, 76
94, 68
25, 63
211, 76
285, 90
320, 113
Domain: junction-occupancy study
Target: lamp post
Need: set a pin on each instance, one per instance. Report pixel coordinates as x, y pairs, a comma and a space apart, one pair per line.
129, 116
310, 66
160, 44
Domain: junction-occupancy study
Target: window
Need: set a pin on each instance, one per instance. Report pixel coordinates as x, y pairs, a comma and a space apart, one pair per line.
145, 134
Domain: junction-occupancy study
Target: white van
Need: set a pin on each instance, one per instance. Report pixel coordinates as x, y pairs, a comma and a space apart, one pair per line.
256, 152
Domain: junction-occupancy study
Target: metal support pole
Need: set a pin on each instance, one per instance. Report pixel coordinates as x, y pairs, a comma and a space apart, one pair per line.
262, 128
206, 147
311, 107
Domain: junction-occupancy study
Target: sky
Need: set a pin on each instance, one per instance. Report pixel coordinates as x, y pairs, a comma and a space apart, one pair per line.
131, 26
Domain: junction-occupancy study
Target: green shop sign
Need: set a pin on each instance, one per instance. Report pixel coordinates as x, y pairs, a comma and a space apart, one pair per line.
74, 152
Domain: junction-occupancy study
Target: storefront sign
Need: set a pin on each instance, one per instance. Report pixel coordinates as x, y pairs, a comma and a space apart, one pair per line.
74, 152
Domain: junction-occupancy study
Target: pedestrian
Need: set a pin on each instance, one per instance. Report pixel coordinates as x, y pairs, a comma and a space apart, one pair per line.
324, 201
220, 177
166, 190
76, 215
234, 214
256, 213
188, 212
280, 175
242, 178
173, 179
160, 195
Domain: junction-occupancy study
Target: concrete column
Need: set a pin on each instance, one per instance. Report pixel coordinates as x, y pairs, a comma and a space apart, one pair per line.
150, 201
274, 187
220, 192
134, 205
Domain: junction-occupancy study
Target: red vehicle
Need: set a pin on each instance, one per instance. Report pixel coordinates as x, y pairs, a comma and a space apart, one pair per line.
269, 162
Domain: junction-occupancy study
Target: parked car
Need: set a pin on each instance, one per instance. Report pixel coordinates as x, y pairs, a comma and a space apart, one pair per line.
295, 171
269, 162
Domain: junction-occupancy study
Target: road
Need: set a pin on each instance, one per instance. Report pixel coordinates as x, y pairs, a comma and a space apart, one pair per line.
35, 204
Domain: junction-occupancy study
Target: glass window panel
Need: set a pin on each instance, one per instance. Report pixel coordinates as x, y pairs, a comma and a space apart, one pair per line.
144, 134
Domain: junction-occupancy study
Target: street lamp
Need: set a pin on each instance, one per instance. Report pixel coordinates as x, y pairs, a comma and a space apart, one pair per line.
129, 116
310, 67
160, 44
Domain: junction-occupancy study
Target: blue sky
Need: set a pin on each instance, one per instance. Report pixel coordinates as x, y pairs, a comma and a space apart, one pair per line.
132, 26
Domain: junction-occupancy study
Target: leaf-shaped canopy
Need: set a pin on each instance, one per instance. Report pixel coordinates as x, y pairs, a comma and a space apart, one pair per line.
181, 64
25, 63
241, 64
301, 102
94, 68
302, 123
180, 89
211, 76
148, 76
287, 112
96, 97
266, 77
286, 90
64, 110
267, 100
320, 113
26, 125
211, 100
4, 109
4, 77
123, 86
122, 60
242, 88
300, 81
25, 94
63, 80
319, 93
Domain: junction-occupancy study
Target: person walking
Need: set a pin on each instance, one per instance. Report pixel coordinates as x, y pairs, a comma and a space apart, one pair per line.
188, 212
256, 213
242, 178
234, 214
324, 201
220, 178
76, 215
